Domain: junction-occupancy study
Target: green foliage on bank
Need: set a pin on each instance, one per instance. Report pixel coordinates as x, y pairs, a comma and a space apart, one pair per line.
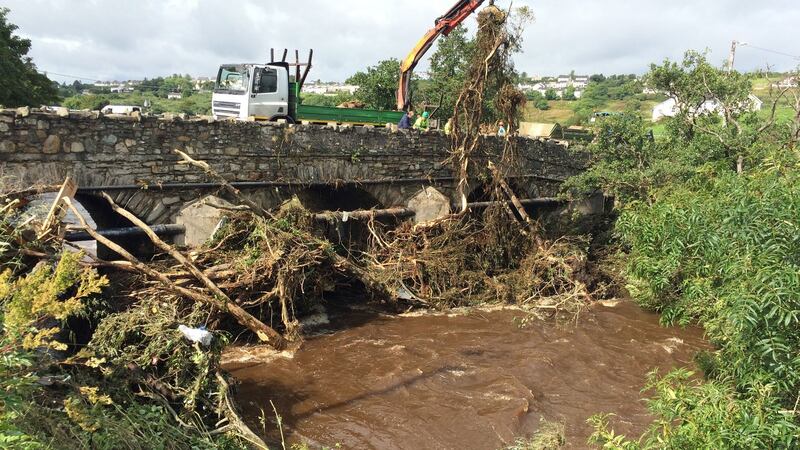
326, 100
602, 91
710, 222
448, 71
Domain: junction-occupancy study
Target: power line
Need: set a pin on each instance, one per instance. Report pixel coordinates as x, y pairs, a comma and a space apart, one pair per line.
771, 51
75, 77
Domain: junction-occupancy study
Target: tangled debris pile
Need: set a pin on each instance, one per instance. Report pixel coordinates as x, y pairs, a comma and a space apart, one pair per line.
501, 254
138, 375
489, 70
98, 361
465, 259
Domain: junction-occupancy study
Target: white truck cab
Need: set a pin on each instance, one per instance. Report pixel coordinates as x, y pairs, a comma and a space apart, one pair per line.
260, 91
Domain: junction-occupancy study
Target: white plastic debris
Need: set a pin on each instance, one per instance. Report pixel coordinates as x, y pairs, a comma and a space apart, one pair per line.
404, 294
200, 335
345, 216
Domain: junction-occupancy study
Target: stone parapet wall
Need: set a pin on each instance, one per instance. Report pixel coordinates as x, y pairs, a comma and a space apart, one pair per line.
96, 150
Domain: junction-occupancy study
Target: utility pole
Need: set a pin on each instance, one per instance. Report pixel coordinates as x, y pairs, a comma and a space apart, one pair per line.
732, 56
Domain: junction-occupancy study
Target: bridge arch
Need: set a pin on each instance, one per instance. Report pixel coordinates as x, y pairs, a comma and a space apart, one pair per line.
334, 198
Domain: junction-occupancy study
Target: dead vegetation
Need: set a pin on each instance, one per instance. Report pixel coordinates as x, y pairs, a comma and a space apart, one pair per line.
501, 254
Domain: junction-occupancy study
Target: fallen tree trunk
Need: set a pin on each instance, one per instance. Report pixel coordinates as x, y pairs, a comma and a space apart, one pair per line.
161, 230
498, 178
264, 332
390, 213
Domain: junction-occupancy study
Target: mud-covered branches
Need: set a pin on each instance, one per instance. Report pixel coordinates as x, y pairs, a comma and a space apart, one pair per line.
489, 75
222, 302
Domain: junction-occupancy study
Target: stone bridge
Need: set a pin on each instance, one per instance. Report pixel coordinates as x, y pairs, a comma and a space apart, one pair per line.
327, 167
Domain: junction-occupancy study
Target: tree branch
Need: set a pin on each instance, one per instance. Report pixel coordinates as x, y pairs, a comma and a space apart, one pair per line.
261, 330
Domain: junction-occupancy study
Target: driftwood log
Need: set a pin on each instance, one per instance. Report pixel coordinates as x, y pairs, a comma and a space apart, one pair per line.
223, 303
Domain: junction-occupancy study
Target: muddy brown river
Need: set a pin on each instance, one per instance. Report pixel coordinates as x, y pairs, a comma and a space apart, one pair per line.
472, 381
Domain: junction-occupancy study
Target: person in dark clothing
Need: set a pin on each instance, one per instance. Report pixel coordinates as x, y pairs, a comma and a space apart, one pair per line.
407, 121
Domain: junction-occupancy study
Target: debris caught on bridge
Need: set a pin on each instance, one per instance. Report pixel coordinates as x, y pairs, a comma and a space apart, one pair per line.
490, 69
263, 268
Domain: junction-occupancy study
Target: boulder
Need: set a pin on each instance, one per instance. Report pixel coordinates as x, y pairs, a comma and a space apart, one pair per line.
429, 204
201, 219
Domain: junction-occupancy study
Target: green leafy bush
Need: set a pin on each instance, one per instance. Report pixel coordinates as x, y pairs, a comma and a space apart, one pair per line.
46, 293
710, 220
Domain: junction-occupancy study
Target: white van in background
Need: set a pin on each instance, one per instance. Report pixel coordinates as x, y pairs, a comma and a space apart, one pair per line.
121, 109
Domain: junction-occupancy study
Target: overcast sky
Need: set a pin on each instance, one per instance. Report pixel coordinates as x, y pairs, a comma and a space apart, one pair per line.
131, 39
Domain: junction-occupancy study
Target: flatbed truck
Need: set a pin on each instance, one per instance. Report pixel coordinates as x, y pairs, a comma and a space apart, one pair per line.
266, 92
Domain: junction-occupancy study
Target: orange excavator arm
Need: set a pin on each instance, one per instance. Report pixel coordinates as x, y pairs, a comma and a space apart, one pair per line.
444, 25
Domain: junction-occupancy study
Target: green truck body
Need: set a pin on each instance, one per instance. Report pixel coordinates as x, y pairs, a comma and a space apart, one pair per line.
331, 114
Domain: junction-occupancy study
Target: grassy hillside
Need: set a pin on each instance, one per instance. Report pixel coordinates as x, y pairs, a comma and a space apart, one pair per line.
568, 112
563, 112
784, 112
197, 104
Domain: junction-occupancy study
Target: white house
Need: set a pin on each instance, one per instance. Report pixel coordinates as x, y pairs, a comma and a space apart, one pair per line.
121, 88
670, 107
755, 103
329, 88
315, 89
349, 88
580, 81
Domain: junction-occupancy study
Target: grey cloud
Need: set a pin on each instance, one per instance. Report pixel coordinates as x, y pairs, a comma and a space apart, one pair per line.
131, 39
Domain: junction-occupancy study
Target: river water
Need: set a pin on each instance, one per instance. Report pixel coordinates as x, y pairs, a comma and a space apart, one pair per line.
475, 380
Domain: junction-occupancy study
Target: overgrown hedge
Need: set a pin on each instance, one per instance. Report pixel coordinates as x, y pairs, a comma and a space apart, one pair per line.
710, 230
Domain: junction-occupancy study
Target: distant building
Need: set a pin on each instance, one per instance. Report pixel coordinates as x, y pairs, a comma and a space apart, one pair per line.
671, 108
121, 88
174, 96
541, 130
667, 108
562, 82
558, 84
315, 89
329, 88
349, 88
580, 81
755, 103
